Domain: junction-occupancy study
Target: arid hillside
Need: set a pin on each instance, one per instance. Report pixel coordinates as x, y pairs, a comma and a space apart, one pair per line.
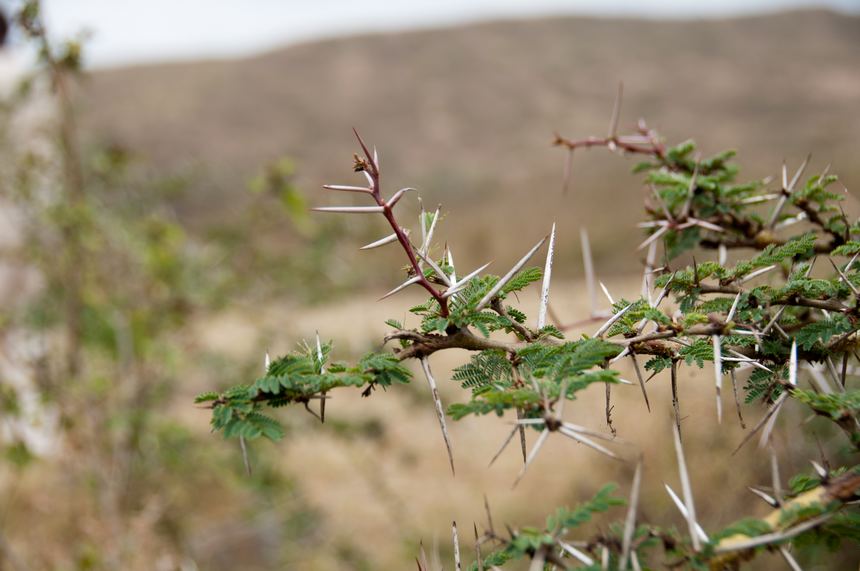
467, 114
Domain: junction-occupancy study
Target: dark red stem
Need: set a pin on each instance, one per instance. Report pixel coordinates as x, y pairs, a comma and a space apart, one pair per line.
388, 212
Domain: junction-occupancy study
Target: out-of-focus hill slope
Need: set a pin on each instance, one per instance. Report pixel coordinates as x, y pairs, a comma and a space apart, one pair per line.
467, 114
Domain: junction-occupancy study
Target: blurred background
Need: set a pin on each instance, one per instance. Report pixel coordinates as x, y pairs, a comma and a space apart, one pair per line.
158, 161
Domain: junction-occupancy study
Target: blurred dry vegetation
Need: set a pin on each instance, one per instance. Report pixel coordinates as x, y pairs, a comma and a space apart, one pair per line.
466, 115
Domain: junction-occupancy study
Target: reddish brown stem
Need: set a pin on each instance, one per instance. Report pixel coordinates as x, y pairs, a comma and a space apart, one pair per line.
650, 146
388, 212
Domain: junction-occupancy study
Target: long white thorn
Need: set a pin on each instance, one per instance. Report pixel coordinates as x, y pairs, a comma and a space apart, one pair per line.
345, 188
789, 558
464, 281
756, 274
776, 482
435, 267
630, 522
767, 498
532, 455
653, 237
453, 268
734, 308
641, 380
771, 421
792, 364
401, 287
718, 375
686, 489
576, 553
547, 275
505, 444
775, 318
611, 321
578, 437
398, 195
245, 459
319, 353
507, 277
322, 370
588, 265
456, 537
798, 174
606, 293
350, 209
440, 412
580, 430
788, 188
384, 241
845, 278
770, 414
616, 112
422, 221
425, 246
683, 509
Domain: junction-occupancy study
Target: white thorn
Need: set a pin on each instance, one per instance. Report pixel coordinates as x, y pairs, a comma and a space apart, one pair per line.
320, 353
425, 247
398, 195
576, 553
588, 264
734, 307
616, 112
683, 509
611, 321
404, 285
756, 274
540, 441
606, 293
630, 522
792, 366
425, 365
587, 441
350, 209
384, 241
456, 538
547, 275
686, 489
345, 188
653, 237
718, 375
435, 267
461, 285
507, 277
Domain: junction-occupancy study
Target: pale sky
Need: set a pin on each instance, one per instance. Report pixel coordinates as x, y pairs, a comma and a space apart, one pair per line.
140, 31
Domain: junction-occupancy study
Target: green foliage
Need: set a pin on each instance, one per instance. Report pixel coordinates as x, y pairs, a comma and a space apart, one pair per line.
490, 375
699, 351
526, 541
296, 378
822, 331
837, 406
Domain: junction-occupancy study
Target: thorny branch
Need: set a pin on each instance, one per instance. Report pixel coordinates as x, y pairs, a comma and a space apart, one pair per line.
769, 318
